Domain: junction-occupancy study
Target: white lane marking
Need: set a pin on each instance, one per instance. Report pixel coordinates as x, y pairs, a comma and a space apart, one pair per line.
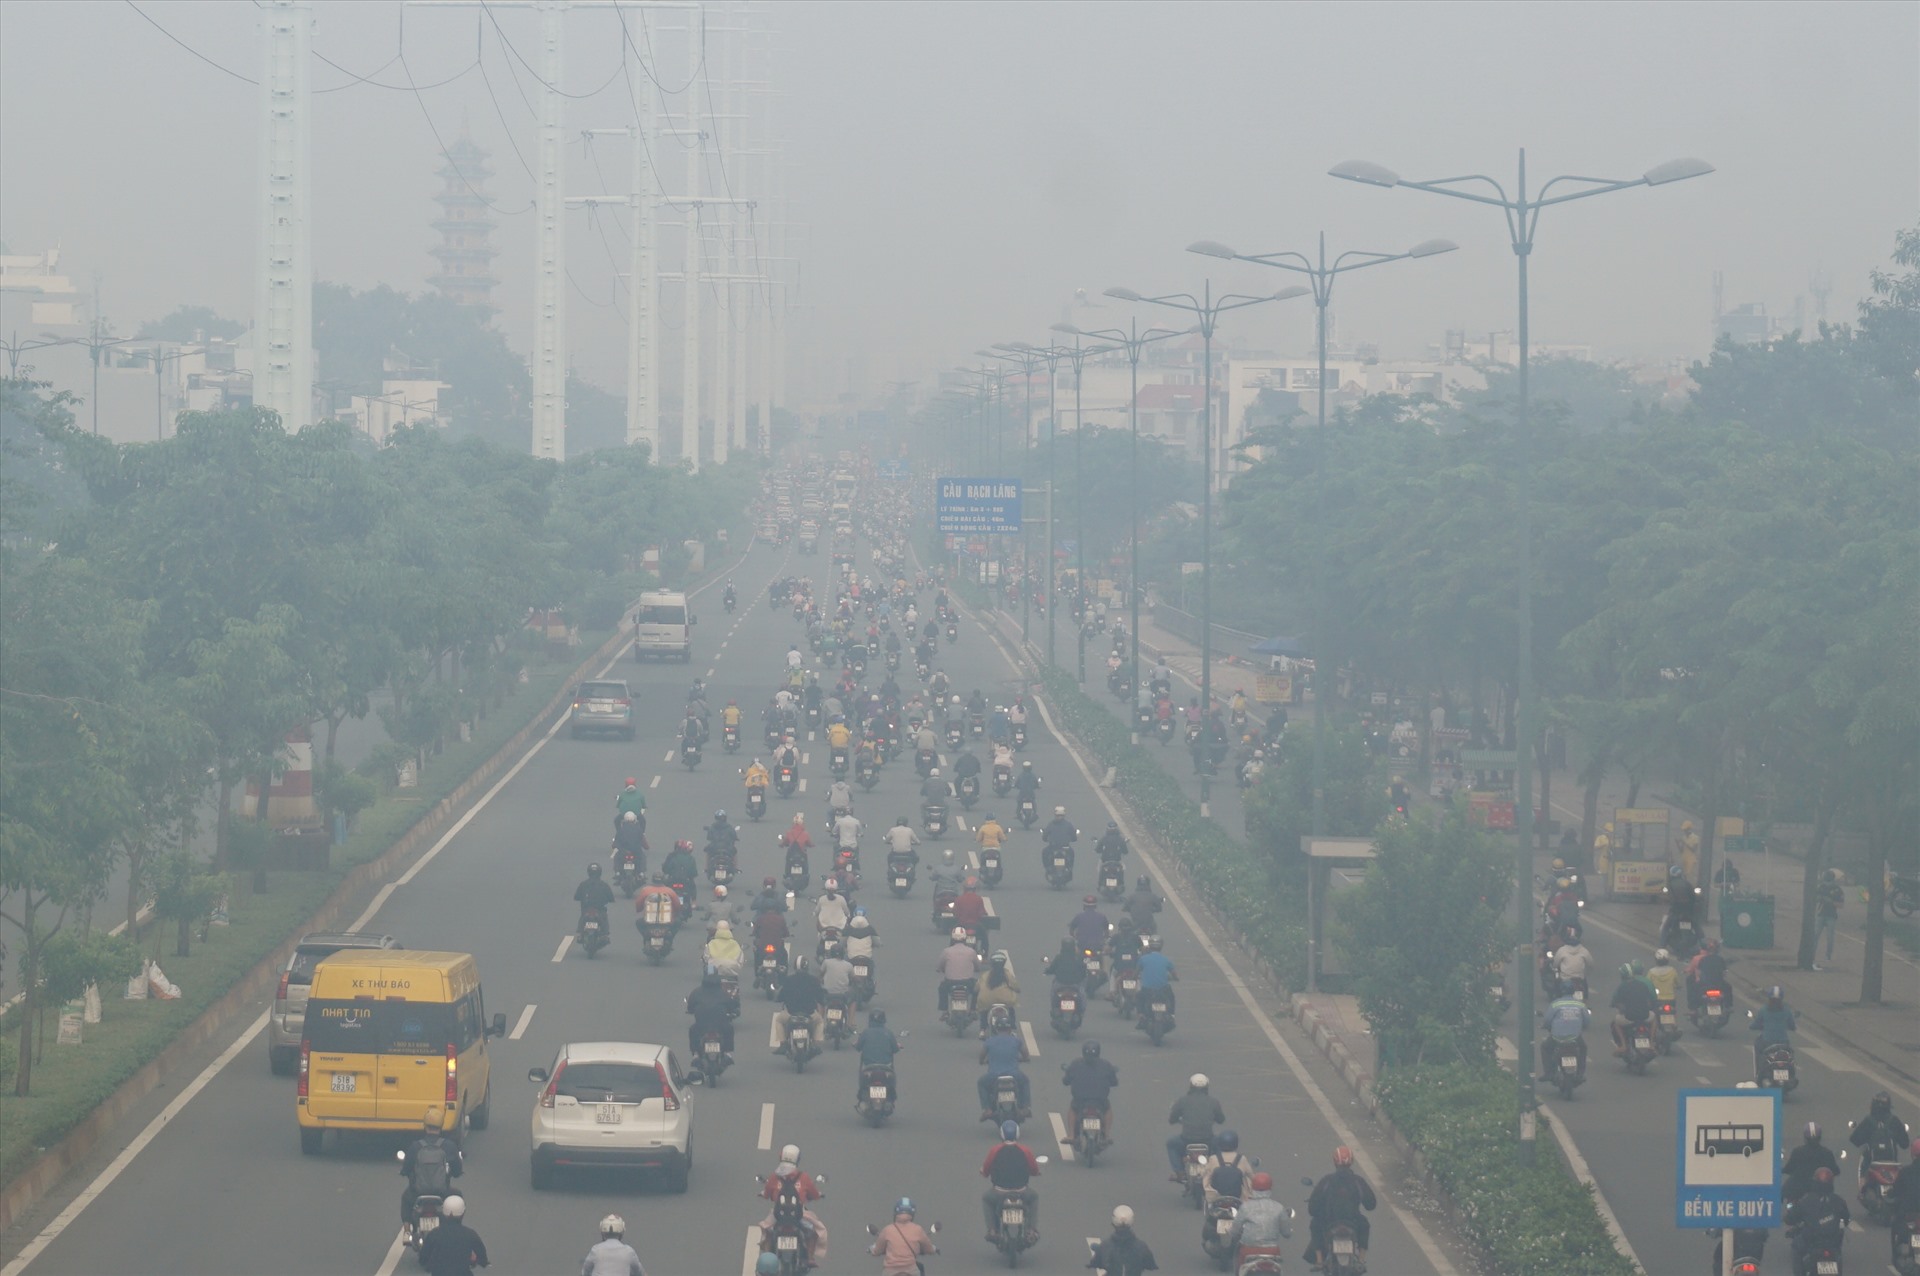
1578, 1164
1703, 1078
988, 901
973, 860
751, 1254
802, 788
1026, 1035
805, 755
773, 1034
655, 784
709, 671
1328, 1112
391, 1263
31, 1250
1060, 1136
766, 1126
724, 641
1693, 1053
560, 953
669, 756
520, 1025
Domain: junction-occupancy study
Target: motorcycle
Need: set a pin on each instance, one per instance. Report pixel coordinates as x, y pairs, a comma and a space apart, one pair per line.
721, 868
730, 737
629, 871
796, 873
900, 874
800, 1047
1028, 813
933, 817
656, 940
1903, 895
1006, 1102
425, 1220
1059, 867
1876, 1180
813, 719
729, 601
990, 866
690, 754
943, 909
1156, 1017
1563, 1065
893, 662
1684, 939
867, 776
1666, 1020
785, 782
1711, 1015
977, 725
1113, 880
757, 803
863, 987
768, 969
1092, 1139
959, 1014
969, 791
1126, 985
1748, 1249
711, 1061
1641, 1050
1068, 1009
593, 931
953, 633
838, 760
1343, 1252
838, 1026
1019, 736
1164, 729
954, 735
876, 1094
1011, 1235
924, 760
1777, 1070
1906, 1259
787, 1238
1215, 1231
1194, 1164
1002, 781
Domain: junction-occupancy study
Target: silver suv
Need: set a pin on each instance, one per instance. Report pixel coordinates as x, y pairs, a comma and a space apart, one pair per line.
602, 706
286, 1023
612, 1105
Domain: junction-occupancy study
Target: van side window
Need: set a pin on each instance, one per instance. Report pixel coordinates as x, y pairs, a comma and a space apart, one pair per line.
466, 1019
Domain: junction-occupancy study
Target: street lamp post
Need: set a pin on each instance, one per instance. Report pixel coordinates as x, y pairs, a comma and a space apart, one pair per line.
1079, 354
1322, 276
1131, 339
1206, 310
1523, 217
1028, 358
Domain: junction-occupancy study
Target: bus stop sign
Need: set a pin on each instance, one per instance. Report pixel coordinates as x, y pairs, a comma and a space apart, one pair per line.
1728, 1143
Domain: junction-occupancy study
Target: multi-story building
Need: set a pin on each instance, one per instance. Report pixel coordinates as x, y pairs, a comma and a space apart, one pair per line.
465, 223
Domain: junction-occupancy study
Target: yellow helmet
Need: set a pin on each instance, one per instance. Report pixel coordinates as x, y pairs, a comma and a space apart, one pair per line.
1686, 826
1607, 828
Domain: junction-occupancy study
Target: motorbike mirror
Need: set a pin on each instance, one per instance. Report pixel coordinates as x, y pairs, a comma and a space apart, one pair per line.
400, 1154
872, 1230
1306, 1182
760, 1180
537, 1075
820, 1179
1040, 1160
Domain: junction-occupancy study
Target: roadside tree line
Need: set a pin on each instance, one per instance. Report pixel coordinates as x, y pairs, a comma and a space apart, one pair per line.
170, 611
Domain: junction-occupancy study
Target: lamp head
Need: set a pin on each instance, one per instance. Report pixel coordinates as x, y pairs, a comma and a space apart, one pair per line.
1212, 248
1067, 328
1432, 248
1678, 170
1124, 294
1365, 171
1288, 294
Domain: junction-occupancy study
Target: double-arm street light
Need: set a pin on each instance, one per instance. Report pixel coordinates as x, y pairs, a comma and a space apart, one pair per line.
1132, 340
1206, 310
1322, 276
1029, 358
1523, 216
1052, 356
1079, 355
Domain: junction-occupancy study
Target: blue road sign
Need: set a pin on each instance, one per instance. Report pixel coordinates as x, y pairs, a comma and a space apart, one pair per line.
894, 469
977, 506
1728, 1148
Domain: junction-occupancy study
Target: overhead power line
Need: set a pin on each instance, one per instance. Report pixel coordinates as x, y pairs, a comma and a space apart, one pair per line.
224, 70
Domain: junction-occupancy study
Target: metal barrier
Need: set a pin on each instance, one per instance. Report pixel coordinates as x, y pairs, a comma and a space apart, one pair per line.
1185, 624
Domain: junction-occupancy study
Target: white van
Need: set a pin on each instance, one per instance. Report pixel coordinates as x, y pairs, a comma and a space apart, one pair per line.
663, 626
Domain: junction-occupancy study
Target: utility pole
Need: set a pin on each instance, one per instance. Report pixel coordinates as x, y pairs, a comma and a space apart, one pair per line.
643, 318
283, 296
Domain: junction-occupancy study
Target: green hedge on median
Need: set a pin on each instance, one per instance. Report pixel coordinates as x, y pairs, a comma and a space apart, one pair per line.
1460, 1118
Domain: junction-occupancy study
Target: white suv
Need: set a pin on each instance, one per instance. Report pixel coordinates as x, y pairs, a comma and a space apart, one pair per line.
613, 1104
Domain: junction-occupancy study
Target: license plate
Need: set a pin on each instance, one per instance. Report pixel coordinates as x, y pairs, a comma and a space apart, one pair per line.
345, 1083
833, 1016
712, 1048
1913, 1242
1779, 1074
1090, 1124
1568, 1063
607, 1114
1013, 1217
1222, 1226
1715, 1010
787, 1242
1129, 984
592, 926
427, 1223
1341, 1245
956, 1003
798, 1038
1669, 1020
1067, 1005
600, 706
1643, 1042
1827, 1267
876, 1092
900, 882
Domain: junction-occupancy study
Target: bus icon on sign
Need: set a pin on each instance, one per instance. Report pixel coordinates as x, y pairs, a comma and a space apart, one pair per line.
1727, 1140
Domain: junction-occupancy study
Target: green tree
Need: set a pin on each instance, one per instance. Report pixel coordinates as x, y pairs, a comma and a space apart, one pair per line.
190, 323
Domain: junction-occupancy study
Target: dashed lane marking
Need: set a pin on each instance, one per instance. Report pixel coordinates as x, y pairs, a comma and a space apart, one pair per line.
1060, 1136
560, 953
520, 1025
766, 1126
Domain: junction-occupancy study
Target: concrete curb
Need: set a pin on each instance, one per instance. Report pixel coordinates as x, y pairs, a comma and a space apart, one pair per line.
24, 1190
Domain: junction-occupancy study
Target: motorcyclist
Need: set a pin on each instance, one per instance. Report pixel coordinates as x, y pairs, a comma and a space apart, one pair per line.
836, 978
788, 1174
770, 897
957, 964
730, 715
1089, 927
860, 934
429, 1164
839, 797
1123, 1253
1339, 1198
900, 1244
1797, 1171
1196, 1113
1157, 973
1003, 1052
1818, 1220
1664, 976
712, 1011
593, 894
1708, 969
1026, 784
1227, 1176
1262, 1222
1572, 960
630, 798
970, 907
801, 996
1880, 1134
770, 927
1010, 1167
453, 1248
1142, 905
1112, 845
756, 776
1774, 1022
796, 838
1903, 1197
946, 875
1566, 1020
1090, 1080
1060, 833
965, 763
831, 911
847, 828
996, 987
723, 951
901, 839
935, 790
839, 736
1683, 904
693, 731
721, 836
1632, 1004
990, 833
629, 838
787, 755
613, 1256
877, 1046
678, 868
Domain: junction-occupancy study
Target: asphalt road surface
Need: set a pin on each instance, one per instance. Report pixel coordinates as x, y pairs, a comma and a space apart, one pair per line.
221, 1186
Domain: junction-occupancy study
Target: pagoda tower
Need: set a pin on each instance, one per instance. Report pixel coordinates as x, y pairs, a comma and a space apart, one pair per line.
465, 224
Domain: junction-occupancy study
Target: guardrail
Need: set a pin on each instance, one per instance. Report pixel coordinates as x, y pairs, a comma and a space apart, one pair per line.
1184, 624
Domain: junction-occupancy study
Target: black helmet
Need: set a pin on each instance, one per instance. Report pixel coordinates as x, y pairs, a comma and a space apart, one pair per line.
1141, 883
593, 870
1091, 1050
878, 1018
1882, 1103
1113, 826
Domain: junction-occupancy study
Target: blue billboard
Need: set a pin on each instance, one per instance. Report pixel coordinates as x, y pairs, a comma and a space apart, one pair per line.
977, 506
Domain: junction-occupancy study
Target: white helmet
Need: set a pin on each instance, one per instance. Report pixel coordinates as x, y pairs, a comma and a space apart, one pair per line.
959, 935
1198, 1081
1662, 956
1123, 1216
454, 1206
613, 1225
791, 1153
1059, 810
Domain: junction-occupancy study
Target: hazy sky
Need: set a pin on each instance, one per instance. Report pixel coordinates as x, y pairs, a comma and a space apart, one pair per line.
960, 169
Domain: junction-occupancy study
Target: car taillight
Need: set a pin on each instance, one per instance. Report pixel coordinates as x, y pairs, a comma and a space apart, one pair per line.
306, 1053
553, 1085
624, 704
280, 993
453, 1076
666, 1088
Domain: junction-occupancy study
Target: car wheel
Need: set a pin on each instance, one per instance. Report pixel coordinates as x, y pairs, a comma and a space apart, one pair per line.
484, 1113
280, 1060
677, 1178
310, 1141
540, 1177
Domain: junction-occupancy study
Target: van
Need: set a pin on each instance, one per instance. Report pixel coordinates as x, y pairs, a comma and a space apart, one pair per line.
663, 626
389, 1034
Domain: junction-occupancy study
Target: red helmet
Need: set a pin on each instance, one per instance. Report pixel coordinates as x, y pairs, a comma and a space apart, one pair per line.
1342, 1157
683, 845
1090, 901
632, 783
1823, 1175
1261, 1182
